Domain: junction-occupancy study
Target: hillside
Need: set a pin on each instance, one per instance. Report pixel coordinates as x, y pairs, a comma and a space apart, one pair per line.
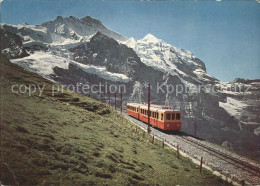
72, 139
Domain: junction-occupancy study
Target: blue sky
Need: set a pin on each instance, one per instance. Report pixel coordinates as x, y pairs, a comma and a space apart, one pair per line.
224, 35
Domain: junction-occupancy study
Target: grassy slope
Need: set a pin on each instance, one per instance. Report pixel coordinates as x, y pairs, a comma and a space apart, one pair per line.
63, 140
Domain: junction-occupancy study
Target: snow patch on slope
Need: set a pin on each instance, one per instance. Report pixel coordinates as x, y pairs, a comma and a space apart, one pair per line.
42, 63
257, 131
232, 106
102, 72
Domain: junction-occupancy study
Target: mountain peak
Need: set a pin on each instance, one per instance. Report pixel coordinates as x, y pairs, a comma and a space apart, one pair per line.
102, 38
151, 38
59, 17
131, 42
92, 20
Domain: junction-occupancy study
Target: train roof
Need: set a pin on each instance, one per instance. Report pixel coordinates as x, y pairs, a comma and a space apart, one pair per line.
160, 108
134, 104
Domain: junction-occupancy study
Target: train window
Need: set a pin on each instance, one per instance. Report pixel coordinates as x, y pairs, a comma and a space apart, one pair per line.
178, 116
157, 115
162, 116
153, 114
173, 116
146, 112
168, 116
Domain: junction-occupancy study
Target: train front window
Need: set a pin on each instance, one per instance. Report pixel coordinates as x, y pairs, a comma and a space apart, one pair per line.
178, 116
168, 116
173, 116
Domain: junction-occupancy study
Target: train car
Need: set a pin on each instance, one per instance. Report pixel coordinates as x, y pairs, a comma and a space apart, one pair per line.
162, 117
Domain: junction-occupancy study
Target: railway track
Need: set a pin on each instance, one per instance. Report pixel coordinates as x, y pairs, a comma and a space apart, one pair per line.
234, 166
228, 158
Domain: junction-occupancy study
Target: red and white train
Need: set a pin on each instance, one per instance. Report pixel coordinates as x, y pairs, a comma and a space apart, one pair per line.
162, 117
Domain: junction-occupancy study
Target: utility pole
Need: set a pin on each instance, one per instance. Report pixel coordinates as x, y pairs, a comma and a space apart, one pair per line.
108, 92
115, 100
121, 99
195, 127
148, 113
101, 98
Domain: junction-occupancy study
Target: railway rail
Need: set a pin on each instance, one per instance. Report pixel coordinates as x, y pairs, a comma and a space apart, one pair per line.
228, 158
234, 166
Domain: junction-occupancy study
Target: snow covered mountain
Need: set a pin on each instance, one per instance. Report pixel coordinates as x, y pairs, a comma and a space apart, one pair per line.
71, 50
61, 31
164, 57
